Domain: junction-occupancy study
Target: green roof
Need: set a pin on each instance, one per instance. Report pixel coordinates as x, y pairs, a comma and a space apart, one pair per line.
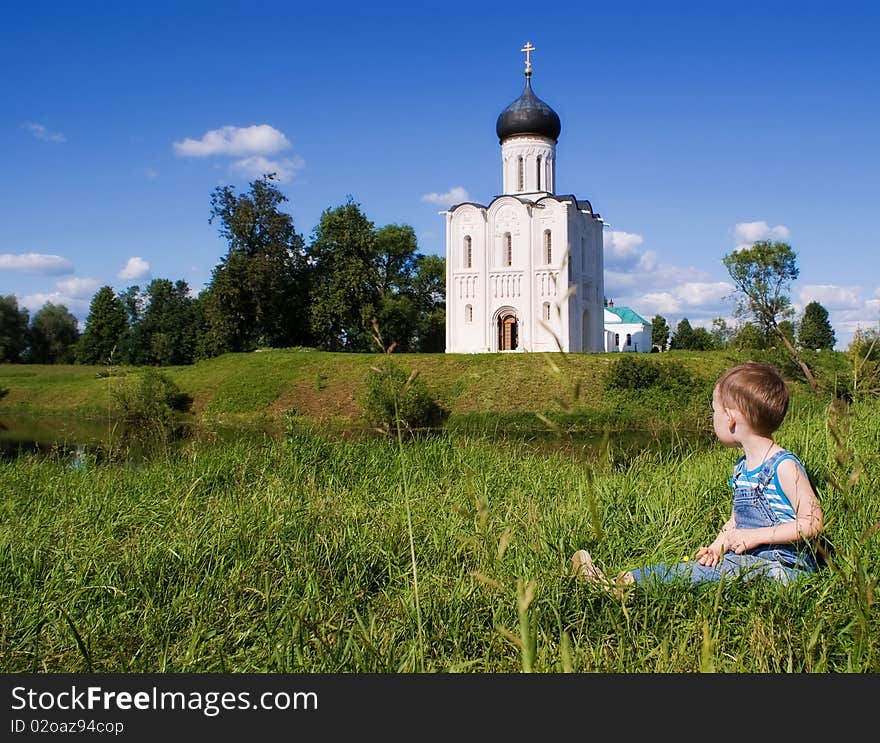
628, 315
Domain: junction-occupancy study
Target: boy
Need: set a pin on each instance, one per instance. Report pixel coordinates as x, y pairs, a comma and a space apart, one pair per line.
775, 509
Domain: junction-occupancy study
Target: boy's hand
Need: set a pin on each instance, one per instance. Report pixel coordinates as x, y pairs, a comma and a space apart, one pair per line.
711, 555
737, 540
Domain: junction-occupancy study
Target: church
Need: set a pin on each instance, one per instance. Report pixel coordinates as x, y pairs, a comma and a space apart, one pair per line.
525, 272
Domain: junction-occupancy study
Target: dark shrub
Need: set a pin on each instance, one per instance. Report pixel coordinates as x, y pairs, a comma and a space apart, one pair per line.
396, 398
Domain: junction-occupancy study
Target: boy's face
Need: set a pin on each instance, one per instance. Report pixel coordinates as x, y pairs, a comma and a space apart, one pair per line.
722, 421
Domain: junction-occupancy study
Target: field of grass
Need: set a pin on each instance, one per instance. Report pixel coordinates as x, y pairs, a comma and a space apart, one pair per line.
445, 553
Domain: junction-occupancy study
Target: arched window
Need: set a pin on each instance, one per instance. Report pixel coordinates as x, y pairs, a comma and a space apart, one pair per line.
546, 310
617, 340
548, 247
469, 313
629, 339
508, 249
468, 255
520, 179
539, 173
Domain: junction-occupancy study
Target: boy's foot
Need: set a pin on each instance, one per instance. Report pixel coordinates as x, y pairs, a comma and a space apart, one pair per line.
582, 566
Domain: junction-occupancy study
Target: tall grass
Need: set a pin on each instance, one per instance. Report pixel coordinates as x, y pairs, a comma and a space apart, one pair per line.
297, 556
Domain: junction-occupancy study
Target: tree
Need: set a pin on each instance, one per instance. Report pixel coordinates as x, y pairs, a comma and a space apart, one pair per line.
814, 331
343, 279
258, 294
168, 324
762, 275
748, 337
659, 332
429, 287
396, 263
721, 333
13, 330
682, 338
54, 335
105, 331
702, 340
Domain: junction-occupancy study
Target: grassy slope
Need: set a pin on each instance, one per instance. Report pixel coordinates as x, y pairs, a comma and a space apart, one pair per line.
314, 384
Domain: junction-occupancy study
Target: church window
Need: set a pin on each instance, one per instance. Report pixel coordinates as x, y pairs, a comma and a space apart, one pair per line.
548, 247
546, 310
629, 339
539, 174
467, 251
469, 313
508, 249
520, 178
617, 340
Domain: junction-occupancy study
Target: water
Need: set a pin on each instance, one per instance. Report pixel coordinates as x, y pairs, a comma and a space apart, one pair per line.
77, 441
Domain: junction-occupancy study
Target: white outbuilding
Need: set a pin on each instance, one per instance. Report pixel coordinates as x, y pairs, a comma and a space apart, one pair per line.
626, 330
525, 272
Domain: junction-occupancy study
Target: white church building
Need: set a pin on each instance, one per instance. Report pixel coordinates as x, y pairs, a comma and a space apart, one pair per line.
525, 272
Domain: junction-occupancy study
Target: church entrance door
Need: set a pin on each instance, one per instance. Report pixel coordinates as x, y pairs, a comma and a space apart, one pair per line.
507, 333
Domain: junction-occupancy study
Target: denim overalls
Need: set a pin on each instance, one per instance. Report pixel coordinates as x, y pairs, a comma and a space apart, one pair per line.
751, 510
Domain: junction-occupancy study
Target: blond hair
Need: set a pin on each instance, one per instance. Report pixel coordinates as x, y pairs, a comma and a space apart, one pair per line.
758, 391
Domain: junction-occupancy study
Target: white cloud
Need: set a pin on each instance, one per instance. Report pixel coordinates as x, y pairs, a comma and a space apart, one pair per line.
260, 139
455, 195
748, 233
39, 263
43, 133
135, 268
706, 298
78, 288
831, 296
621, 248
74, 305
257, 166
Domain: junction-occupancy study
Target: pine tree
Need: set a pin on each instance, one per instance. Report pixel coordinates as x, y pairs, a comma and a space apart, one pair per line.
106, 329
814, 331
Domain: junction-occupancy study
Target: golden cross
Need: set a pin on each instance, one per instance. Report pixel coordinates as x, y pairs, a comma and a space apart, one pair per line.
528, 49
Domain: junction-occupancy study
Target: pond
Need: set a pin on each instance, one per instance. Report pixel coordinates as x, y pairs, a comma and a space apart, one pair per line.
76, 439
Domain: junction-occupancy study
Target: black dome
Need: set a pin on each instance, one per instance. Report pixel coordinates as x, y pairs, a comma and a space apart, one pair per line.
528, 114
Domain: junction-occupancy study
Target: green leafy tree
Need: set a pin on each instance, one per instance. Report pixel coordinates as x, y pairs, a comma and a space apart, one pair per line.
721, 333
105, 330
788, 330
345, 286
748, 337
396, 262
258, 294
168, 323
13, 330
659, 332
134, 348
815, 331
762, 275
702, 340
683, 337
54, 335
429, 286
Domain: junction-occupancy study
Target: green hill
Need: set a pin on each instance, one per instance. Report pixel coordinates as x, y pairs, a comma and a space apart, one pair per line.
265, 385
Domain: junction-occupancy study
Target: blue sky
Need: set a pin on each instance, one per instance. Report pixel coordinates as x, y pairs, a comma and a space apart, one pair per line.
691, 127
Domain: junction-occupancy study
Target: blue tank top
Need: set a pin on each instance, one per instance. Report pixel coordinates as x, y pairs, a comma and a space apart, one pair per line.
765, 478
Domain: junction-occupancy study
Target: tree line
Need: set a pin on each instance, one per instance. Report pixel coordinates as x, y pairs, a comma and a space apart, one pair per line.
270, 289
812, 332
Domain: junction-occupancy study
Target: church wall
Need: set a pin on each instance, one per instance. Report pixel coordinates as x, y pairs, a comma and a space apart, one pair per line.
466, 285
550, 280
